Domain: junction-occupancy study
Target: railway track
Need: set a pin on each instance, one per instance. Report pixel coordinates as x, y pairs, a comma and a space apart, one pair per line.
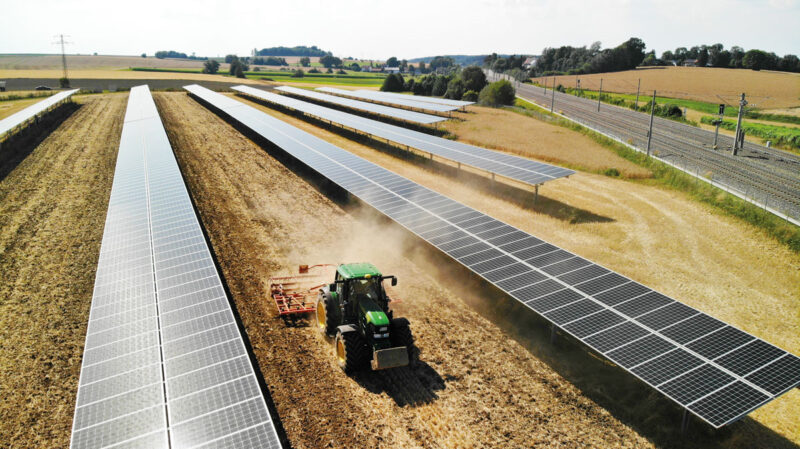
768, 177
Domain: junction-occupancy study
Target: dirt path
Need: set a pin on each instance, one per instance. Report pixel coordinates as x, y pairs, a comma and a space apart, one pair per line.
476, 388
52, 210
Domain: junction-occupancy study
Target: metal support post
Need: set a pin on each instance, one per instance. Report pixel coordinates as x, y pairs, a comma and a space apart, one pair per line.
685, 422
552, 334
636, 107
599, 94
535, 193
553, 100
650, 132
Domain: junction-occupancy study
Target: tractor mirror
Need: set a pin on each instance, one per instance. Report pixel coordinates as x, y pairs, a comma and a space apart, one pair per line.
394, 281
332, 287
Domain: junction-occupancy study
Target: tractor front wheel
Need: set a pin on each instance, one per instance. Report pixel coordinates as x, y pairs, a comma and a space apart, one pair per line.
351, 351
400, 334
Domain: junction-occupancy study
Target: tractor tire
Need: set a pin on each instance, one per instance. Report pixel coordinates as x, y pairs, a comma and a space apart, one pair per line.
400, 335
352, 352
327, 315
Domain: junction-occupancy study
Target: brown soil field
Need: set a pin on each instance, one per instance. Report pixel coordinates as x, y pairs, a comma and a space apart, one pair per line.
503, 130
765, 89
52, 211
656, 236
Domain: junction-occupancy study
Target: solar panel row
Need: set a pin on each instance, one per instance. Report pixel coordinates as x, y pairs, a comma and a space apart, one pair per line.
422, 98
164, 363
513, 167
371, 95
18, 118
714, 370
402, 114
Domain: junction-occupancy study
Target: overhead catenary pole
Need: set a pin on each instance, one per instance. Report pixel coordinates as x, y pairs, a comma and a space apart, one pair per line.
65, 75
599, 94
636, 107
742, 104
553, 100
652, 114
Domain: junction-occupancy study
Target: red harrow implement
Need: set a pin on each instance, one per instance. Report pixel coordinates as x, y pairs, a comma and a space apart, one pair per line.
296, 296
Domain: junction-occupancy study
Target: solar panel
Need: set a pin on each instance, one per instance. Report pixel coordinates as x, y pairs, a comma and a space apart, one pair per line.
514, 167
746, 374
164, 363
402, 114
371, 95
423, 98
18, 118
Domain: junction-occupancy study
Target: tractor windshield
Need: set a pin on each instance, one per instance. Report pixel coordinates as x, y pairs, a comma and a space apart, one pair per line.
369, 288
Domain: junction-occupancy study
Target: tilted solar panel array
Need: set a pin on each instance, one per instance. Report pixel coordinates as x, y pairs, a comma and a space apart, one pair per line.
422, 98
16, 119
164, 364
402, 114
714, 370
371, 95
513, 167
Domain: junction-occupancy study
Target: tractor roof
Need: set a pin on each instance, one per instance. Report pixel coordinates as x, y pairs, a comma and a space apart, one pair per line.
358, 270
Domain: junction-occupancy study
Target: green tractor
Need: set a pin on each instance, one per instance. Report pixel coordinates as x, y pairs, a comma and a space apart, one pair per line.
354, 311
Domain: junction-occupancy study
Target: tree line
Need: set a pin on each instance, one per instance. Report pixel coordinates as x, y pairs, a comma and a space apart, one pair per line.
468, 84
630, 54
175, 54
300, 50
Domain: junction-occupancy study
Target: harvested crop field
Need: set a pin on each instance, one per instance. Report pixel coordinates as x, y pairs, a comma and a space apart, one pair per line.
764, 88
52, 210
503, 130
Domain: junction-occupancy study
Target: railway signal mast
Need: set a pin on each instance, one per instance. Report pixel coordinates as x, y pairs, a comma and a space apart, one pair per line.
739, 136
718, 122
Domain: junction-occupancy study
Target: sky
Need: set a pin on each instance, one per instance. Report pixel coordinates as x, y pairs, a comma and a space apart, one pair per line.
378, 29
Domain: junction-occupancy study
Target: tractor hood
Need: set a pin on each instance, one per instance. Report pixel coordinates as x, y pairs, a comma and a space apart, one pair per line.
373, 313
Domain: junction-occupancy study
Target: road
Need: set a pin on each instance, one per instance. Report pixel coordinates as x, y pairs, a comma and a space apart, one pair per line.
765, 175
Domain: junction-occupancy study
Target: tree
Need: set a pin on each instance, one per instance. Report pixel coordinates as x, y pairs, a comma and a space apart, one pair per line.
305, 61
298, 74
238, 67
422, 68
755, 60
790, 63
667, 56
497, 94
403, 65
441, 61
737, 57
702, 57
474, 78
500, 65
393, 83
470, 95
392, 62
455, 89
681, 54
439, 86
144, 55
230, 58
211, 66
330, 61
355, 67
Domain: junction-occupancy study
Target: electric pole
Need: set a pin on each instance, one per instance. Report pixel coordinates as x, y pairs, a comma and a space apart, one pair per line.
650, 133
553, 100
636, 107
742, 104
62, 42
599, 94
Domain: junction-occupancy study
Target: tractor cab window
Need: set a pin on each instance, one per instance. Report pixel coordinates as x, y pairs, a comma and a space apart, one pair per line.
369, 288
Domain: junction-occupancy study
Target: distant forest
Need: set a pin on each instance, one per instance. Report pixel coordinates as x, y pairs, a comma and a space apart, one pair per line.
462, 60
300, 50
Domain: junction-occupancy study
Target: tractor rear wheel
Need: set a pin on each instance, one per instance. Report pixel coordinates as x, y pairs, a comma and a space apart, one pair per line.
352, 353
400, 335
327, 316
